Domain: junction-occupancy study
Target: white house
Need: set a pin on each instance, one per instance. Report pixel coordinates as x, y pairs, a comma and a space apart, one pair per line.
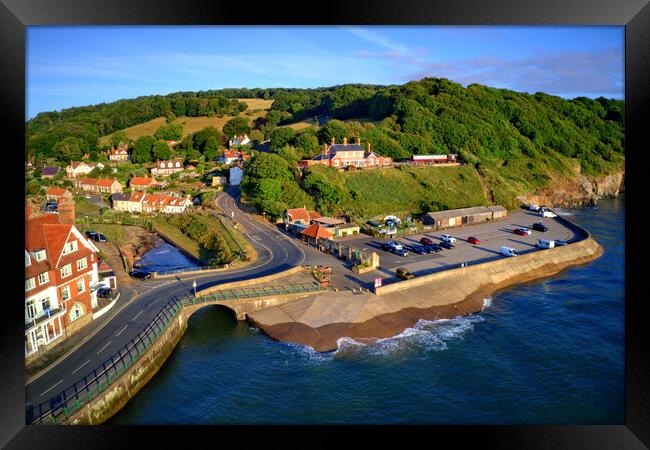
238, 140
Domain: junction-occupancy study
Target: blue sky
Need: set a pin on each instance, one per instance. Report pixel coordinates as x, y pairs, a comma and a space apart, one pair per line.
76, 66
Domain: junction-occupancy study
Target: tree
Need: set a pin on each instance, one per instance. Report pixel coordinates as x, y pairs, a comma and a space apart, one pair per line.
179, 106
256, 136
68, 149
236, 126
268, 165
201, 137
161, 150
142, 149
281, 137
333, 129
170, 132
211, 149
307, 143
119, 138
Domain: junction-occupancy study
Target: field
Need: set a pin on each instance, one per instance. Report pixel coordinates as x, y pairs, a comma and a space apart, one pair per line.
83, 207
302, 125
375, 193
192, 124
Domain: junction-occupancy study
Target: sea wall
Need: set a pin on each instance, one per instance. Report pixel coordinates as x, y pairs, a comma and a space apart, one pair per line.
250, 282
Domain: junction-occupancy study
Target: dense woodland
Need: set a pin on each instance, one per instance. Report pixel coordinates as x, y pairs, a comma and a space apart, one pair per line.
513, 142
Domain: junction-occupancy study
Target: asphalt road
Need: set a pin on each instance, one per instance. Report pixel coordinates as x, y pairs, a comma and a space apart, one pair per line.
274, 255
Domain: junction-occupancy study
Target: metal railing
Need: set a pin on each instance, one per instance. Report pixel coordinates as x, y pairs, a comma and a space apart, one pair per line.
192, 269
63, 405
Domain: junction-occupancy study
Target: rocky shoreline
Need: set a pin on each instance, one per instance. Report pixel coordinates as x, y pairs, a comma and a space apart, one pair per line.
138, 245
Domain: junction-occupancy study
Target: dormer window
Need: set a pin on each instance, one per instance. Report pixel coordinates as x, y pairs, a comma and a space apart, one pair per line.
28, 261
70, 247
40, 255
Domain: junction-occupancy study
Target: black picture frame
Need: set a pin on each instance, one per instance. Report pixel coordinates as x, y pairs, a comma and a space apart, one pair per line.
15, 15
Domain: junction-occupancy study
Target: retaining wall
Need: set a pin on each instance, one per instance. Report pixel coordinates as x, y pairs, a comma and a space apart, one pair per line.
249, 282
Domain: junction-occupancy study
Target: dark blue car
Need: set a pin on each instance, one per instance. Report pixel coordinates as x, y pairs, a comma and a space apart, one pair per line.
447, 245
417, 249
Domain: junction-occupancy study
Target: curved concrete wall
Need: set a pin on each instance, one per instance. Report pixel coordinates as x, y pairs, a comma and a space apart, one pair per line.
249, 282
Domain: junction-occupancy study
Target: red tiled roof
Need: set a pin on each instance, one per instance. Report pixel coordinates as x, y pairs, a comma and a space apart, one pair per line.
316, 231
136, 196
313, 215
55, 191
141, 181
298, 214
96, 181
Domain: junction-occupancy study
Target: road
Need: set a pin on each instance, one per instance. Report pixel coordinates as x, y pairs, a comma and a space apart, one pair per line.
274, 255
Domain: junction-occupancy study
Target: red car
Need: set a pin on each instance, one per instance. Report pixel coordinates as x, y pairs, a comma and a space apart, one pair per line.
522, 231
473, 240
426, 241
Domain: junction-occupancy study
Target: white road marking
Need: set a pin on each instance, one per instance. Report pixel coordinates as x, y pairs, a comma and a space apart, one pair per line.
107, 344
80, 366
120, 332
51, 388
137, 315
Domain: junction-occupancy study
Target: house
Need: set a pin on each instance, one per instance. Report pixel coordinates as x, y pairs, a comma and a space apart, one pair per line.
464, 216
61, 279
81, 168
343, 156
50, 171
167, 167
232, 156
190, 172
128, 202
298, 218
327, 221
142, 183
346, 229
121, 153
29, 166
235, 174
101, 185
58, 194
238, 140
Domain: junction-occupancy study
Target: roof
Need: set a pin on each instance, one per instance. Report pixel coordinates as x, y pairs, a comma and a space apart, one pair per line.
56, 191
105, 267
316, 231
345, 148
141, 181
50, 170
298, 214
97, 181
328, 221
120, 197
347, 225
497, 208
439, 215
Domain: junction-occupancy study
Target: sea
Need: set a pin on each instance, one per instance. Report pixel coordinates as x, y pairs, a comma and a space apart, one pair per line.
545, 352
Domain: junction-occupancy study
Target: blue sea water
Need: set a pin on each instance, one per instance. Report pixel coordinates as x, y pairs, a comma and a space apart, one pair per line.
547, 352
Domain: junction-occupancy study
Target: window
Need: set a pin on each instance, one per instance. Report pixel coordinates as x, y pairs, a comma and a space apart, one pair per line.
30, 309
82, 264
65, 293
45, 304
30, 283
28, 261
81, 286
76, 311
70, 247
66, 270
40, 256
43, 278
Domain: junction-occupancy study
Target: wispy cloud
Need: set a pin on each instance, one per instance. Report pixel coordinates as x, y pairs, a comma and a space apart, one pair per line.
377, 38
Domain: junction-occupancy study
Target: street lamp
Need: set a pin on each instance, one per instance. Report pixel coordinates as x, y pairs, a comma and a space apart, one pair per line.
194, 285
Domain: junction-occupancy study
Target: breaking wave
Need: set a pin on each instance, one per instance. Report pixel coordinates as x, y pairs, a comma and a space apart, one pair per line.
487, 302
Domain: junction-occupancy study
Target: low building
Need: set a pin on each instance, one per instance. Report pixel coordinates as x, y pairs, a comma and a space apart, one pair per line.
299, 217
313, 233
107, 277
434, 159
80, 168
344, 156
235, 175
142, 183
238, 140
463, 216
100, 185
164, 203
168, 167
119, 154
50, 171
347, 229
128, 202
58, 194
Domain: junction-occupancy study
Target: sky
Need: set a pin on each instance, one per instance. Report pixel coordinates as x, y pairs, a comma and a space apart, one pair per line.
76, 66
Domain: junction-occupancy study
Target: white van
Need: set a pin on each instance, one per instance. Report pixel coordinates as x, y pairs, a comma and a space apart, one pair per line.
507, 251
547, 213
543, 243
448, 238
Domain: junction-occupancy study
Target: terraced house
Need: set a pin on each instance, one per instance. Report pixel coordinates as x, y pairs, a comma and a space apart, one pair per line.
61, 279
150, 203
100, 185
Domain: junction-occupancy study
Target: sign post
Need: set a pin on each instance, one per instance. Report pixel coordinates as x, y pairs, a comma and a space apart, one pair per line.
194, 286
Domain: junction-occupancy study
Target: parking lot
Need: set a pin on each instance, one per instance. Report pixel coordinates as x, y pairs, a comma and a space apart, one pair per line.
492, 236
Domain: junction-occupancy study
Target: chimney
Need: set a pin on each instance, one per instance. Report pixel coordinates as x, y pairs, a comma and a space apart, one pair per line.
369, 147
358, 141
324, 149
345, 141
333, 141
67, 213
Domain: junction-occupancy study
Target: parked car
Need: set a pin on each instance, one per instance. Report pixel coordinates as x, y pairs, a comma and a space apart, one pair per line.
447, 245
404, 274
101, 238
396, 245
507, 251
560, 243
547, 213
433, 248
141, 274
543, 243
473, 240
533, 207
91, 235
374, 223
399, 252
540, 227
103, 292
386, 247
426, 241
391, 223
417, 249
448, 238
522, 231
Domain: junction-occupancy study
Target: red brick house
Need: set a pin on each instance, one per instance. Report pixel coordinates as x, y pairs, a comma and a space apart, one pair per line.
142, 183
61, 278
101, 185
346, 155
